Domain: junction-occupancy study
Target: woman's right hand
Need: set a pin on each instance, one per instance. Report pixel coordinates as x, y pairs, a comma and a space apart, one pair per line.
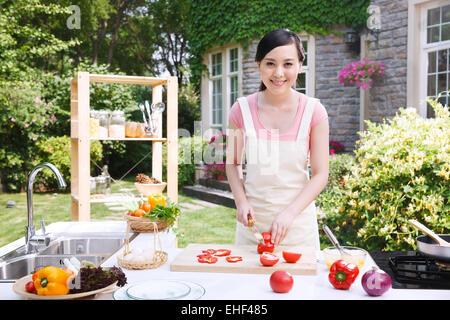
244, 212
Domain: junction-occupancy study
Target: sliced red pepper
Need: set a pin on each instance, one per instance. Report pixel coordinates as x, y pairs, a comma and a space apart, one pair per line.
208, 259
203, 255
233, 259
209, 251
222, 252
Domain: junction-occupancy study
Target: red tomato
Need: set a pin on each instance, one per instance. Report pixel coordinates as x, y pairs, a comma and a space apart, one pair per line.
291, 257
207, 259
233, 259
222, 252
29, 287
281, 281
268, 259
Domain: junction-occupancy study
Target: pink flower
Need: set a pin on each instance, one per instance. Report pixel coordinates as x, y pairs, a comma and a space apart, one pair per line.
13, 119
37, 100
332, 151
52, 118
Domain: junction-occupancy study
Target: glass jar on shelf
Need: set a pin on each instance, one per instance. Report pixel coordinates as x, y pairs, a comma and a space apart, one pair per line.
93, 124
100, 183
116, 127
107, 176
103, 118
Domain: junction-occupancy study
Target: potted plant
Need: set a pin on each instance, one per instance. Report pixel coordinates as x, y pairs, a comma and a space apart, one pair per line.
360, 73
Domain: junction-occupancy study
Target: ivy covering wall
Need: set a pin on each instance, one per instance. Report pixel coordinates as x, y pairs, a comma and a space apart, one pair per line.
215, 22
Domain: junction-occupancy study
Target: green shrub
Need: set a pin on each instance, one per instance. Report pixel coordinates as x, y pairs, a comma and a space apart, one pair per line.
189, 149
56, 150
402, 172
25, 119
330, 198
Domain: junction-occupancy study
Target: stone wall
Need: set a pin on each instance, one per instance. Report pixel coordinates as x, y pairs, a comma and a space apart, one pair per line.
342, 103
388, 92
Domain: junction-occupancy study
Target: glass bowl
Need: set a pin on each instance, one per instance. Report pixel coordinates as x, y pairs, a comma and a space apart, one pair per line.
353, 255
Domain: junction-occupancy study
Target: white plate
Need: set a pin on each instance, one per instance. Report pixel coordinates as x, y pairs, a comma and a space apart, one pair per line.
197, 291
19, 288
158, 289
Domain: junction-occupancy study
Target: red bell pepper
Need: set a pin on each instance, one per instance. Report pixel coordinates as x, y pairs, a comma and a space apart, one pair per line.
268, 245
343, 274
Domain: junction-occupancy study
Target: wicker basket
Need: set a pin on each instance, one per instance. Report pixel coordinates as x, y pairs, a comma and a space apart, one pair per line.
159, 256
140, 224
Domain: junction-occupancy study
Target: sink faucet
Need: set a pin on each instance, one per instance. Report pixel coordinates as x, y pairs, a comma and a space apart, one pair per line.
31, 239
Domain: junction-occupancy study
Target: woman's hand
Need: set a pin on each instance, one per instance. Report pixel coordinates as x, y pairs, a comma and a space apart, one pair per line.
244, 212
281, 226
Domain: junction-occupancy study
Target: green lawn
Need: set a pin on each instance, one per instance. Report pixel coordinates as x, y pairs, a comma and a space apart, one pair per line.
54, 207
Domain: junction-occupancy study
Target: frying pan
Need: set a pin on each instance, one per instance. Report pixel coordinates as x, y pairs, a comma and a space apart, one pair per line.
433, 245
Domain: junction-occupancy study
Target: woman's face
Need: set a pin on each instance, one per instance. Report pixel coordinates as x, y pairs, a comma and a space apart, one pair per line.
279, 68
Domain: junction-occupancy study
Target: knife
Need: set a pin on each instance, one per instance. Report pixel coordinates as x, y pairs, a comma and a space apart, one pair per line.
258, 235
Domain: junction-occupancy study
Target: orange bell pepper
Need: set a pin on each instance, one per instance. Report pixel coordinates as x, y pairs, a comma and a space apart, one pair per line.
155, 199
51, 281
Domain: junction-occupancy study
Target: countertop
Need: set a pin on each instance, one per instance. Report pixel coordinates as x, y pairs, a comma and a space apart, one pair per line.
230, 286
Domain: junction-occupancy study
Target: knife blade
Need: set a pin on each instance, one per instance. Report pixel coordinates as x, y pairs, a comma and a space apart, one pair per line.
258, 235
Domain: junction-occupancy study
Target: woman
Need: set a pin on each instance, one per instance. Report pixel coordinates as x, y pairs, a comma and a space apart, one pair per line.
275, 129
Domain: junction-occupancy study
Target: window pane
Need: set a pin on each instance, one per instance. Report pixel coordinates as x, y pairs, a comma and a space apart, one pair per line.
434, 16
442, 60
442, 82
433, 34
431, 91
432, 62
300, 84
217, 102
233, 90
445, 32
234, 60
443, 100
446, 14
217, 64
430, 111
305, 47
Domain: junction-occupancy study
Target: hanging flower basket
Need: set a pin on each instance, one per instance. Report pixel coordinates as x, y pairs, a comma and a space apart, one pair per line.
360, 73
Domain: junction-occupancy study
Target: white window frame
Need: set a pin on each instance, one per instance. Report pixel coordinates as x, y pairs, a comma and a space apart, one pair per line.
226, 83
309, 70
418, 49
429, 47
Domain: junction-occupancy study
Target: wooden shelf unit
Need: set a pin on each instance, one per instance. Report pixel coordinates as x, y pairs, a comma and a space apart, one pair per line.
80, 139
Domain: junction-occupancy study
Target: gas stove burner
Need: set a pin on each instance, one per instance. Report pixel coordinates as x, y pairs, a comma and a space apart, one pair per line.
420, 270
445, 265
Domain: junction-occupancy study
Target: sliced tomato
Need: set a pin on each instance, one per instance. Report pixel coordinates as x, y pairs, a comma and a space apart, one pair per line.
208, 259
268, 259
291, 257
209, 251
233, 259
222, 252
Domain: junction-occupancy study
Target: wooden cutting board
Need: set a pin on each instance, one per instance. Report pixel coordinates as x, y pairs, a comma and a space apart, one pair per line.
187, 260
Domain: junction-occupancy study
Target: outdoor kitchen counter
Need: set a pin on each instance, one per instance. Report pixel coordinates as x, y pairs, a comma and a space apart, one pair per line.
232, 286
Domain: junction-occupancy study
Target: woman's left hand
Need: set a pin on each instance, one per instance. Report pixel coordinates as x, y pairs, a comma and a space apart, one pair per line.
281, 225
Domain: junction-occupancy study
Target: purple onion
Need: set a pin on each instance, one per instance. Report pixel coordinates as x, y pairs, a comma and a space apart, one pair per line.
376, 282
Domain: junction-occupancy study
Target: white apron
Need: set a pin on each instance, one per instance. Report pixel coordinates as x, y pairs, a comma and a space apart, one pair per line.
277, 171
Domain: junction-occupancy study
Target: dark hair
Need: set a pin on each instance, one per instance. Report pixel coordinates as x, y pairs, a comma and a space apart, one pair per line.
277, 38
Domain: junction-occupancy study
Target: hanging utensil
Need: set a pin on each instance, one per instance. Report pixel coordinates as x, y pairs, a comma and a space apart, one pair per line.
333, 239
158, 107
141, 106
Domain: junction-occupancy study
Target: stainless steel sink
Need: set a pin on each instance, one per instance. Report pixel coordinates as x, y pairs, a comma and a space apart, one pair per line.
84, 246
19, 267
93, 247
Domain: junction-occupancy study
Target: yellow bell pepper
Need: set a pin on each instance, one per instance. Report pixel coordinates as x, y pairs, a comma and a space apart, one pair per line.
155, 199
51, 281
